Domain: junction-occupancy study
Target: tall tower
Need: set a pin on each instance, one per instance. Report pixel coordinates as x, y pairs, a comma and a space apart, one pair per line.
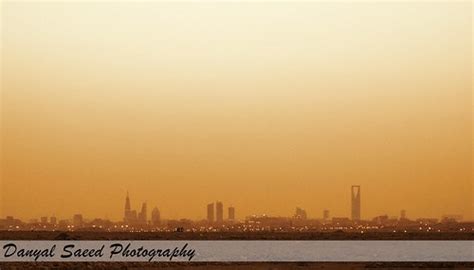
300, 213
219, 212
355, 202
143, 214
210, 212
155, 216
126, 214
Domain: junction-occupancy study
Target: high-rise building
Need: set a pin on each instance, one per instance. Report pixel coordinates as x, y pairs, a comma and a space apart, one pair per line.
219, 212
231, 213
142, 216
131, 216
155, 217
355, 202
326, 214
451, 218
127, 210
127, 203
300, 213
53, 220
77, 220
44, 220
210, 212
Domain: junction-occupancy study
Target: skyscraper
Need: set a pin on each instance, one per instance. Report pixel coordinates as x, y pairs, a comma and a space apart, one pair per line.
219, 212
126, 214
142, 216
231, 213
77, 220
210, 212
155, 216
355, 202
130, 216
300, 213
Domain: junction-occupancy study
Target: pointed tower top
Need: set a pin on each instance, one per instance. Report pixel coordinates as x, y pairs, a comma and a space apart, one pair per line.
127, 203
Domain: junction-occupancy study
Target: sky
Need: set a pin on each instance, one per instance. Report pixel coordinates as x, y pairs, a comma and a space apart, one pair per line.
264, 106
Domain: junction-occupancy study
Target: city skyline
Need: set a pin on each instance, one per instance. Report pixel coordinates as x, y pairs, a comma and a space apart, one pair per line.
215, 213
265, 106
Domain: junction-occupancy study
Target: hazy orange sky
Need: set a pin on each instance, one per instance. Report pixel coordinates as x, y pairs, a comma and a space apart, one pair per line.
265, 106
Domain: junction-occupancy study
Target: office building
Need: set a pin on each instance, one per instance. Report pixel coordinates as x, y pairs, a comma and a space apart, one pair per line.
155, 217
210, 212
355, 203
219, 212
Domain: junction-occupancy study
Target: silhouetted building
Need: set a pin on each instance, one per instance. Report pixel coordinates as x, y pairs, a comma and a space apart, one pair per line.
219, 212
341, 221
155, 217
231, 213
53, 220
142, 217
210, 212
355, 202
131, 216
127, 215
380, 220
300, 213
127, 204
10, 221
100, 223
77, 220
63, 223
451, 218
326, 214
44, 220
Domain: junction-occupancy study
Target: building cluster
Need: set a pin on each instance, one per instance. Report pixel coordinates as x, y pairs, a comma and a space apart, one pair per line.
131, 217
215, 213
215, 221
300, 214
